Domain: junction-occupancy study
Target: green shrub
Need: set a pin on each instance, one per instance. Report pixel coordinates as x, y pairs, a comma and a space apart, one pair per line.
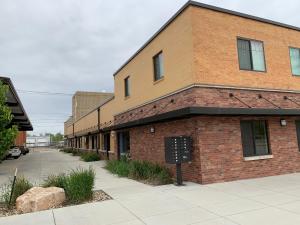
79, 185
76, 153
121, 168
90, 157
55, 181
161, 178
140, 170
21, 186
67, 150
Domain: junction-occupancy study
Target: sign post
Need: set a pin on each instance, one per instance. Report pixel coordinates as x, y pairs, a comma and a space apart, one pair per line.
13, 186
177, 151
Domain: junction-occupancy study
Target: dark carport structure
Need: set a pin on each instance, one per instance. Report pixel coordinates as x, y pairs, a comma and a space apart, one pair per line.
20, 117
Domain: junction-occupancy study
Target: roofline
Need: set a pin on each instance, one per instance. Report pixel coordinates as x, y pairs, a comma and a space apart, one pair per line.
8, 80
210, 7
92, 93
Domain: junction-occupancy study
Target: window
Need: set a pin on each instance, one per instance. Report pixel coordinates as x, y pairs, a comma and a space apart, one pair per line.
295, 60
126, 86
254, 138
158, 66
251, 55
298, 132
106, 141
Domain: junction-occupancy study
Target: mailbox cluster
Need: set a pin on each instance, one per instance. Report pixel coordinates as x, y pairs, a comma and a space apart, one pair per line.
178, 149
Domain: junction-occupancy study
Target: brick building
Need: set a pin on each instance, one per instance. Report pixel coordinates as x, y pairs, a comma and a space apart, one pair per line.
228, 80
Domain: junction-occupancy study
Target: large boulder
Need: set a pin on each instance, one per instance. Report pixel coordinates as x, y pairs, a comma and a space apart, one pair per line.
38, 198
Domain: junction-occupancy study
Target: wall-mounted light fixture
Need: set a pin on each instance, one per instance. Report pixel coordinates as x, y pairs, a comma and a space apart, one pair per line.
152, 130
283, 122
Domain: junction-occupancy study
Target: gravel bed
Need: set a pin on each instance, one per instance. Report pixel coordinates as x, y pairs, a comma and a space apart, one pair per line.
98, 196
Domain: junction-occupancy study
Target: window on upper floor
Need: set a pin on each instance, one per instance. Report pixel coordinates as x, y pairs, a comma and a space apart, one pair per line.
251, 55
126, 87
158, 66
298, 132
295, 60
254, 138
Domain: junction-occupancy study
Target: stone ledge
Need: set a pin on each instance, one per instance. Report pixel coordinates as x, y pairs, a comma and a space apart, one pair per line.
261, 157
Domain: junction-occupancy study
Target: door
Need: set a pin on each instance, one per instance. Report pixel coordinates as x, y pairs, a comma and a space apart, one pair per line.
123, 143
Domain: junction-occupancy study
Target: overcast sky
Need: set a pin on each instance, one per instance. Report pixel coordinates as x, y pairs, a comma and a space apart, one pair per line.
69, 45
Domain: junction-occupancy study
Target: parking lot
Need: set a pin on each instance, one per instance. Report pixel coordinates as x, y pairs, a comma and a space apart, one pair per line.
264, 201
38, 164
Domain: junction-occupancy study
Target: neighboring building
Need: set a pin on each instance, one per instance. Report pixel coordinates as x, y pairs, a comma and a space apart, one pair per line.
228, 80
83, 102
20, 117
38, 141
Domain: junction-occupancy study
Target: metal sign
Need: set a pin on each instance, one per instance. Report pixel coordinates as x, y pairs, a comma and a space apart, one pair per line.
178, 149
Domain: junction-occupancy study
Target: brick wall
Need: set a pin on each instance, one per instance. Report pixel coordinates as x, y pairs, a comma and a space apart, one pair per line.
145, 145
217, 148
21, 138
213, 97
222, 153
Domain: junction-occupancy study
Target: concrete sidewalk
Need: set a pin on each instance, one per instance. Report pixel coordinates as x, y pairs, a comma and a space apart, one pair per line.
264, 201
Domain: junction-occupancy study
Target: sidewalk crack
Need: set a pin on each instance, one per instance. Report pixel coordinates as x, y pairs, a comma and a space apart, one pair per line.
53, 217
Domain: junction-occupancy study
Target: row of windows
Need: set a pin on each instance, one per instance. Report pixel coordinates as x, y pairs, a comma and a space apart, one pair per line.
158, 69
252, 57
255, 139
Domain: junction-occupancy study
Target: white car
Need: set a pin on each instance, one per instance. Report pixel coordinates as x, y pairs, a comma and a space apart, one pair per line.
14, 152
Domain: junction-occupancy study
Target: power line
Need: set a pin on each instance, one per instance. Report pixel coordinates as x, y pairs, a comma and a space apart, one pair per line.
44, 92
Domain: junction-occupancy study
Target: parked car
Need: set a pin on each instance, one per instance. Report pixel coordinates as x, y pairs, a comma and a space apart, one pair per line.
14, 153
24, 150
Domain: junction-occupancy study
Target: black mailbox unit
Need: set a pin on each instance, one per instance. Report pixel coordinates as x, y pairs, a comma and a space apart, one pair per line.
178, 150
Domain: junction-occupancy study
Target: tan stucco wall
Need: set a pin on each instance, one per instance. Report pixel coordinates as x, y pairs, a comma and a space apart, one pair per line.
68, 130
67, 125
176, 43
87, 122
200, 46
216, 56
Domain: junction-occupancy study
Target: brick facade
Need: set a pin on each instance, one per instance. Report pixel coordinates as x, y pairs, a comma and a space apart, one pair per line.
213, 97
217, 148
150, 146
201, 69
21, 138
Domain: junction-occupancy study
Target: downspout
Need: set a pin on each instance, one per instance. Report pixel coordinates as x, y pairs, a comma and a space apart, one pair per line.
73, 137
98, 138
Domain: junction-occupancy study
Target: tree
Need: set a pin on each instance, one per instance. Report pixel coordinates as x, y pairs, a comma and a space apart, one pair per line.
56, 137
8, 132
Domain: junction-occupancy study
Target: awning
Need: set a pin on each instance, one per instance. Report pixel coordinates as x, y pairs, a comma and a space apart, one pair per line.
205, 111
20, 117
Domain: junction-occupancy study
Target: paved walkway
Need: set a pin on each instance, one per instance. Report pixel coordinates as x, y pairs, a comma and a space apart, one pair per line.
264, 201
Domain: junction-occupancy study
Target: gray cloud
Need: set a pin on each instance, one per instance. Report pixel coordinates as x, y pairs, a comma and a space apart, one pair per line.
70, 45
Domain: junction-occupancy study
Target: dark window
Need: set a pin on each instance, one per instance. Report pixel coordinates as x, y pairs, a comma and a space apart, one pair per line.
106, 142
126, 86
298, 132
295, 60
123, 143
251, 55
254, 138
158, 66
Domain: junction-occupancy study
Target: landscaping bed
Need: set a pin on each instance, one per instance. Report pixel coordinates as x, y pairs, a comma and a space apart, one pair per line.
85, 156
98, 196
78, 186
142, 171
